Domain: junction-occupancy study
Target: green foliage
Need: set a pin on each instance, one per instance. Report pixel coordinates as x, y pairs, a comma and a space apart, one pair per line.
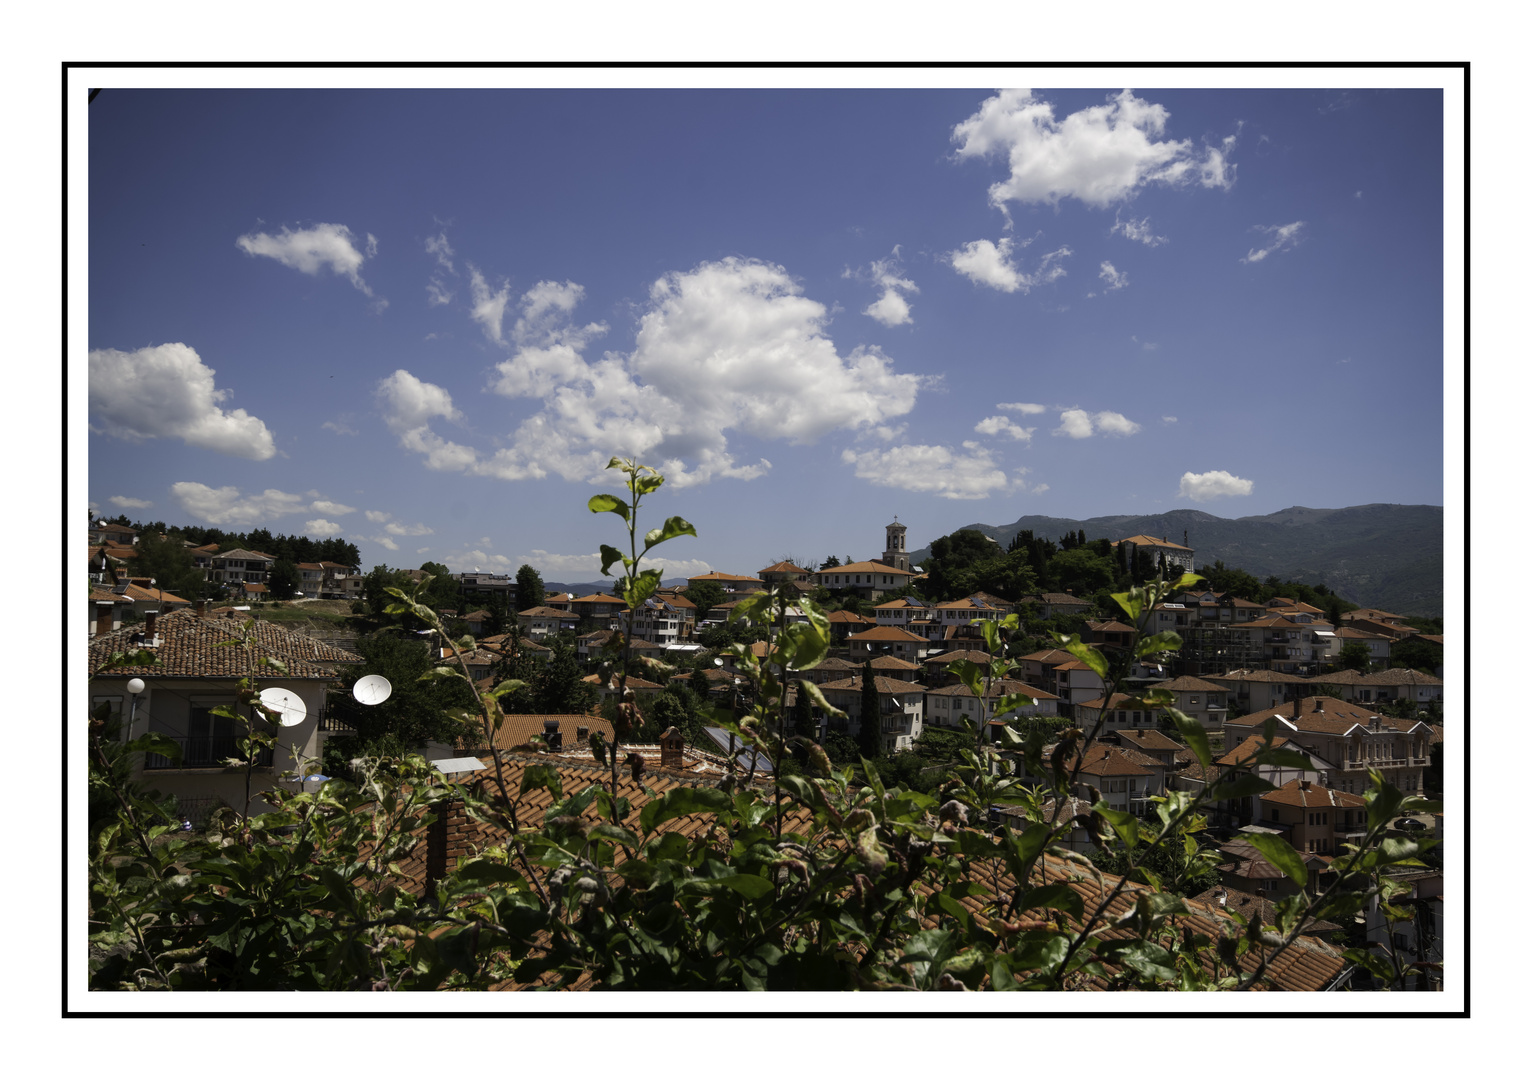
169, 563
529, 588
418, 709
706, 595
1354, 656
284, 580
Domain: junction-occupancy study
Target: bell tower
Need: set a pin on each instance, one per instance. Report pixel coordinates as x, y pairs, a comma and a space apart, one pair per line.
894, 553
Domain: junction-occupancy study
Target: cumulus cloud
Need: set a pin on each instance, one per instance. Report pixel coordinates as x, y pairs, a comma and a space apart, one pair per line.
997, 425
488, 306
312, 250
123, 502
971, 473
1113, 277
1168, 419
166, 391
985, 262
730, 346
1100, 155
891, 308
410, 403
340, 427
319, 526
227, 506
1023, 407
1138, 230
1079, 424
325, 506
382, 541
1282, 238
395, 529
1202, 487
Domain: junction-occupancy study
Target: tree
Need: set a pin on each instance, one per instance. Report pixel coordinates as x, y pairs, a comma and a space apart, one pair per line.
375, 588
443, 590
870, 734
706, 595
1355, 656
169, 563
529, 588
283, 581
560, 685
832, 561
1081, 571
414, 712
1417, 653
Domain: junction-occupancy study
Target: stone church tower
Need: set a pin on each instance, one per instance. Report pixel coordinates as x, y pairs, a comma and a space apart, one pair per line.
894, 553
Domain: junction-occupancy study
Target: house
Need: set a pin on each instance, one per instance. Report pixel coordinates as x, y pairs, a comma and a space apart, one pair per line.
656, 620
735, 586
939, 667
1246, 870
1351, 736
901, 709
482, 586
956, 706
1377, 644
887, 641
542, 622
597, 608
1256, 689
1177, 557
1315, 819
957, 617
1074, 682
786, 573
845, 623
1124, 711
107, 607
198, 671
113, 535
1204, 701
1124, 776
241, 566
902, 611
1037, 667
868, 580
1240, 761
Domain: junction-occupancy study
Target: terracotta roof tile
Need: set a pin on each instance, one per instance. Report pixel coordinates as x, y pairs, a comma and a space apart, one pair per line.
193, 647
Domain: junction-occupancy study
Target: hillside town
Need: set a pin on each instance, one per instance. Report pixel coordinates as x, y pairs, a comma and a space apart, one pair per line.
1244, 670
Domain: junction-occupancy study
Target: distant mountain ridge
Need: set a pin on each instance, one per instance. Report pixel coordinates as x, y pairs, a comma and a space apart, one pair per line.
1382, 555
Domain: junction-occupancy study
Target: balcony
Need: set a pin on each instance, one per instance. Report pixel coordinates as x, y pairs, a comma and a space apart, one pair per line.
204, 752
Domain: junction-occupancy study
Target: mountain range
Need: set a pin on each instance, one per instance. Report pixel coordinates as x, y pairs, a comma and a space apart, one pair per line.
1380, 555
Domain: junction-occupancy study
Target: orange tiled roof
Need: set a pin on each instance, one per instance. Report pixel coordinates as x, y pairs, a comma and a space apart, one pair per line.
192, 647
1295, 793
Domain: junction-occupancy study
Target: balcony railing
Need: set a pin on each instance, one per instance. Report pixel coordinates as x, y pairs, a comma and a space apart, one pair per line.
204, 752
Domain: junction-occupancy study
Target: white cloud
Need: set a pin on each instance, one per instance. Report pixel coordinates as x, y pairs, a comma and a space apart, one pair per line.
311, 250
227, 506
437, 245
382, 541
395, 529
1114, 423
1201, 487
124, 503
986, 263
166, 391
1283, 238
1079, 424
437, 293
1075, 423
728, 346
1114, 278
325, 506
376, 516
409, 403
937, 470
488, 307
1023, 407
1100, 155
319, 526
340, 427
996, 425
891, 308
1168, 419
1138, 230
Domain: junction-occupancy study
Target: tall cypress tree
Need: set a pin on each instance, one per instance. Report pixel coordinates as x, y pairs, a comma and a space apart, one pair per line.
870, 735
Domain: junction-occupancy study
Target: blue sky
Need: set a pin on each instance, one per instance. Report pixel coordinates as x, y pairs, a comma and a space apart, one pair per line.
423, 320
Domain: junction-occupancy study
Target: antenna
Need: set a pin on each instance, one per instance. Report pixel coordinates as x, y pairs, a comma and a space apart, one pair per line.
372, 690
290, 707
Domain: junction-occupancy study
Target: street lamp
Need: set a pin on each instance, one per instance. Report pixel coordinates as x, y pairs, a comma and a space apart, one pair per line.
135, 687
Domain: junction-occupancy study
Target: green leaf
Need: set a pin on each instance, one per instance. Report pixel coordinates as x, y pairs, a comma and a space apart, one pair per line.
818, 698
1280, 854
969, 674
1125, 824
1195, 737
872, 852
679, 802
1169, 641
1132, 602
673, 527
608, 504
542, 776
509, 686
1239, 786
1092, 659
1058, 896
611, 556
747, 885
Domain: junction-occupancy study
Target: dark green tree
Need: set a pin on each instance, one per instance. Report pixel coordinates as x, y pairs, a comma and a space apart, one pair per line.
1416, 653
870, 734
169, 563
1355, 656
529, 588
560, 688
283, 581
832, 561
706, 595
414, 712
375, 588
443, 590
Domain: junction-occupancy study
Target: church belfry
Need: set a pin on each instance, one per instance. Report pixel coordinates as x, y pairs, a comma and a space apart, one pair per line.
894, 553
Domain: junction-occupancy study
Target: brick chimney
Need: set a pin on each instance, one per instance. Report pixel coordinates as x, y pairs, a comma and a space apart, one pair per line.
446, 839
104, 620
672, 744
149, 619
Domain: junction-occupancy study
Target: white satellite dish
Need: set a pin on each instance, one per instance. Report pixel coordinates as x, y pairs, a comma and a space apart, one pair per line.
372, 690
290, 707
